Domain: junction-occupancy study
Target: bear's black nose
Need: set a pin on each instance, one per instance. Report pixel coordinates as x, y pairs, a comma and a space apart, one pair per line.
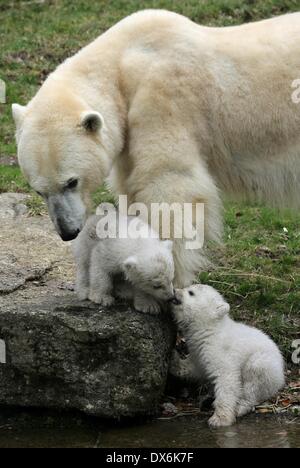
69, 235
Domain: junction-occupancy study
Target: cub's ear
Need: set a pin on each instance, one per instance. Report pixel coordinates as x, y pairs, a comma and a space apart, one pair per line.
169, 245
222, 309
130, 264
92, 121
18, 113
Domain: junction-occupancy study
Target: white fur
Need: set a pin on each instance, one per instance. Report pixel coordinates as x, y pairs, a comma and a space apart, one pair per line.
145, 266
186, 112
245, 365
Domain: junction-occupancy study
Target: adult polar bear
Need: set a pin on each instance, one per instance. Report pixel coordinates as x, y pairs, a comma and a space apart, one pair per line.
172, 112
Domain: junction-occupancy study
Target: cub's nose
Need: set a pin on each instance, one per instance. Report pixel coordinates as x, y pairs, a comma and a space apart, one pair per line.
178, 296
171, 294
175, 300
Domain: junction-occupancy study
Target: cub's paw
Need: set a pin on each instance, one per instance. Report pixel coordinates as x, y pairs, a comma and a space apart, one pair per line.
82, 294
243, 410
147, 306
221, 421
105, 301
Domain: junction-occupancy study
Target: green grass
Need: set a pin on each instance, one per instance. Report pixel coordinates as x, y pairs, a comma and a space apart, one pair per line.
258, 267
11, 180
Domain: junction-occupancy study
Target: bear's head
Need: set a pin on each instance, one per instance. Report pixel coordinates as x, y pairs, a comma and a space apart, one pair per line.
199, 304
153, 273
64, 152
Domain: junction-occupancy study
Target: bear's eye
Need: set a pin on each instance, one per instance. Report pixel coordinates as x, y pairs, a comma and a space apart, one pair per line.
191, 293
71, 184
157, 286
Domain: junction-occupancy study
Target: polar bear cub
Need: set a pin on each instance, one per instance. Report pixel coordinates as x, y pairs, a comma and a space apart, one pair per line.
136, 267
244, 364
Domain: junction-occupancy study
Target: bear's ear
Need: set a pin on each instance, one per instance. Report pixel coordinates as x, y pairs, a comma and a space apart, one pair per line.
169, 245
222, 309
18, 113
130, 264
92, 121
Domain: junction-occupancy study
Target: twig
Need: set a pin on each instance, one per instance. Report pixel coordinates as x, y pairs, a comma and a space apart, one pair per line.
180, 415
230, 285
273, 278
31, 2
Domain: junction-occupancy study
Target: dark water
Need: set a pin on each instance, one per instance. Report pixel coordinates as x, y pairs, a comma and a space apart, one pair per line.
47, 429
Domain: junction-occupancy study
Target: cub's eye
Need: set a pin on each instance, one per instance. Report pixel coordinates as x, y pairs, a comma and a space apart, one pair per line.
39, 194
72, 184
157, 287
191, 293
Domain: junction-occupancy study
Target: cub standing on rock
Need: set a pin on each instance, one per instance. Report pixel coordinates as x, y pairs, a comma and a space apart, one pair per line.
139, 257
244, 364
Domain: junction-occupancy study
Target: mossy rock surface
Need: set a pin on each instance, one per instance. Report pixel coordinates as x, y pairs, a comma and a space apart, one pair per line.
110, 363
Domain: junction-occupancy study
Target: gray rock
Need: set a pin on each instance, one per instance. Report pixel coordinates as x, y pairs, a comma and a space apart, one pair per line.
13, 275
29, 249
13, 205
61, 354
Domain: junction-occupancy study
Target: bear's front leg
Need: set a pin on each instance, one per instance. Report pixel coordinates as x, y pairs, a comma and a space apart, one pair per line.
83, 274
145, 303
101, 285
167, 166
227, 393
82, 285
